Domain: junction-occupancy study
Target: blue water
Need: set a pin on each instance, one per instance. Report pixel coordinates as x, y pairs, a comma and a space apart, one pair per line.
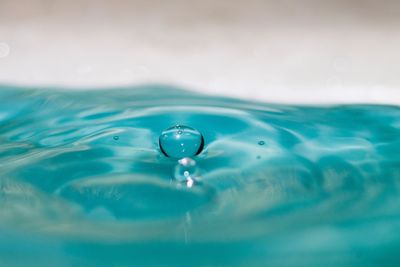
84, 182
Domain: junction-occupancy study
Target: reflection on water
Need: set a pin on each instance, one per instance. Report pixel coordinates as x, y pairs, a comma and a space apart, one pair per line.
83, 181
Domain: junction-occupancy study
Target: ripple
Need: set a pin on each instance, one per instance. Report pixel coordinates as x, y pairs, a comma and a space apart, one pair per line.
86, 167
133, 197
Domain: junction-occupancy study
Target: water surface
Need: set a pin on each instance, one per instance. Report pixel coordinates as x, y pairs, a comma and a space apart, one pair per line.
83, 181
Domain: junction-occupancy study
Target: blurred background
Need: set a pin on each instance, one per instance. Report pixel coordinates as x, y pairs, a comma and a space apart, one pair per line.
306, 51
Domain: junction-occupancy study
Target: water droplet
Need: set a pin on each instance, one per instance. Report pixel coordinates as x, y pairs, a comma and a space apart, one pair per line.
261, 143
116, 137
189, 182
186, 171
181, 141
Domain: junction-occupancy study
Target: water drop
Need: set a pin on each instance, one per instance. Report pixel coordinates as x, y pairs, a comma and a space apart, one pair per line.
261, 143
181, 141
116, 137
186, 171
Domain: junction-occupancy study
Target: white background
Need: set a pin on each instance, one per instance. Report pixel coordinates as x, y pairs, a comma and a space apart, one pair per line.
276, 51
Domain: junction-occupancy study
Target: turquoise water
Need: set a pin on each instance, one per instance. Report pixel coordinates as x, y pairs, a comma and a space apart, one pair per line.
83, 181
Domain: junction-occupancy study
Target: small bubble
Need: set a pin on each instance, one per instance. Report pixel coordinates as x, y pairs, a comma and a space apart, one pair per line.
116, 137
181, 141
261, 143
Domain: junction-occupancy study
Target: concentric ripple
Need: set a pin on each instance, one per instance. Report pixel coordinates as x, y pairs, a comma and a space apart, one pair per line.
83, 181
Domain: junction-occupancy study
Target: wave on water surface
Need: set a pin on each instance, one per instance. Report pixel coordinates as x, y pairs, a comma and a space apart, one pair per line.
84, 181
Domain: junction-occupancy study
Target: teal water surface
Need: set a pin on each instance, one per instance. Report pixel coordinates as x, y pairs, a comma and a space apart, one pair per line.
84, 182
